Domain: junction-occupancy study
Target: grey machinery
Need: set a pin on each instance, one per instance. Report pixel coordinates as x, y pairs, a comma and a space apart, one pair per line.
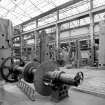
47, 78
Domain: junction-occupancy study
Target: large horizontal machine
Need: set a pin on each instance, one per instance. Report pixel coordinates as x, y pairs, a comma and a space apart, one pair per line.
47, 77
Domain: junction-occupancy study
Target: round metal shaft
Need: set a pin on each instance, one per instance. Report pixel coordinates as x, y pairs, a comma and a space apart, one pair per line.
65, 78
28, 71
19, 68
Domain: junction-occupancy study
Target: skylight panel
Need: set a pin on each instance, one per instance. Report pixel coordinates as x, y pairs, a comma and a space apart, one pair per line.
59, 2
97, 3
5, 2
46, 8
10, 6
3, 11
99, 17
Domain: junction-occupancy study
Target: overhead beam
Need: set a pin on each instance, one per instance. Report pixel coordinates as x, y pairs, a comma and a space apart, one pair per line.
83, 14
74, 17
71, 2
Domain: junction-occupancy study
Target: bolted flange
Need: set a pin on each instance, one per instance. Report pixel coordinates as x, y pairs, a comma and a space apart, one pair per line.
29, 70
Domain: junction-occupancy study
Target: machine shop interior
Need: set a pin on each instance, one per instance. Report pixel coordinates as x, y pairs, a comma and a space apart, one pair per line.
52, 52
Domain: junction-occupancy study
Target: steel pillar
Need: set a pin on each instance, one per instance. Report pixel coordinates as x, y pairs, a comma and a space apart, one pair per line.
57, 32
92, 33
21, 45
78, 54
35, 37
102, 45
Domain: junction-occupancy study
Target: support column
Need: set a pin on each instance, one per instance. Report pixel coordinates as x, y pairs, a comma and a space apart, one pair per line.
21, 41
57, 37
78, 54
35, 37
57, 32
101, 53
21, 45
92, 38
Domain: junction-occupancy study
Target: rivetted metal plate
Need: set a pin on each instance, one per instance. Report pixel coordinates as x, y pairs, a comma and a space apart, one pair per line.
40, 87
28, 74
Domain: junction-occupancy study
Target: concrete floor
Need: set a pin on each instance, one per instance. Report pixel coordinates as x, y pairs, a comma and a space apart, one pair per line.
13, 96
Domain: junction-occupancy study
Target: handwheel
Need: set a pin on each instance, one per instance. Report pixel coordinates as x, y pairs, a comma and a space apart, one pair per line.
7, 68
